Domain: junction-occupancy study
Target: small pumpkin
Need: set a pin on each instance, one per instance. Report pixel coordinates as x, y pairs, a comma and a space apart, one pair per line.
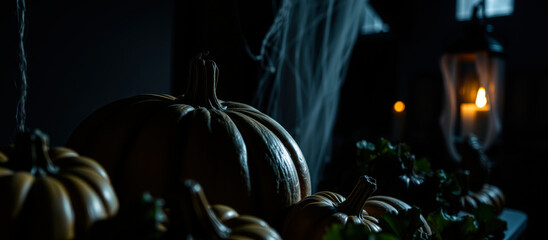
50, 193
194, 218
475, 162
488, 194
242, 157
310, 218
473, 178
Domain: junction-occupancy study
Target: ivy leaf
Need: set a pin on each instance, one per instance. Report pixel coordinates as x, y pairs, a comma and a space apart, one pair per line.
355, 232
340, 232
423, 166
490, 225
445, 191
448, 227
334, 232
404, 225
381, 157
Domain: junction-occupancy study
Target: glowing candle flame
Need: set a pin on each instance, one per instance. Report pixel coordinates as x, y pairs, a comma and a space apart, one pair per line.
481, 99
399, 106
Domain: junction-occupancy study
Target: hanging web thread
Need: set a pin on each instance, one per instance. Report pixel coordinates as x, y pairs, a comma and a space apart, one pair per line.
21, 113
304, 57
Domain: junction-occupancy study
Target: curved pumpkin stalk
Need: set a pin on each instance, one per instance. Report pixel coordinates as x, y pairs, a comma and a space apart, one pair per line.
199, 219
31, 154
202, 221
355, 202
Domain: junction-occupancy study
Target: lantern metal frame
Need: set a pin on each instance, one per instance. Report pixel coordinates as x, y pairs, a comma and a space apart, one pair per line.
476, 49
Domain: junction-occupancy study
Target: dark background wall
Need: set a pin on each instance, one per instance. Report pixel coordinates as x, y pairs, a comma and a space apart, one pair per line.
85, 55
404, 65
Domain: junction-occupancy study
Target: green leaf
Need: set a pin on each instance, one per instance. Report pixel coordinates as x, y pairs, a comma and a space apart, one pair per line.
381, 155
446, 192
423, 166
334, 232
447, 227
404, 225
490, 225
383, 236
355, 232
348, 232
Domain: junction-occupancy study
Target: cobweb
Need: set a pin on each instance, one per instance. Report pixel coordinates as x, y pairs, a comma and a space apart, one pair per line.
304, 56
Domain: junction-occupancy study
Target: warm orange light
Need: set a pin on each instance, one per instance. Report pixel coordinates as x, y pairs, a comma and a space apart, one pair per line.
481, 99
399, 106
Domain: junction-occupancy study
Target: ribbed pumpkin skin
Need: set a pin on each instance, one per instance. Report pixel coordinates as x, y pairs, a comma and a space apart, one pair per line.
244, 227
488, 194
54, 205
310, 218
242, 157
314, 214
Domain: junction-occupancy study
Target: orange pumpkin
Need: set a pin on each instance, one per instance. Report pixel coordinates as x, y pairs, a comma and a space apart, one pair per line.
310, 218
242, 157
50, 193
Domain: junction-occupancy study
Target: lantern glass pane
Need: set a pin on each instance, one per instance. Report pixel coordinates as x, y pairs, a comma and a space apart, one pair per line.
493, 8
372, 23
468, 82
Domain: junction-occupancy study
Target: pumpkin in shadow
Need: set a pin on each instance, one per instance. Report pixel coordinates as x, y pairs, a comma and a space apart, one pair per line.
192, 217
50, 193
473, 178
242, 157
310, 218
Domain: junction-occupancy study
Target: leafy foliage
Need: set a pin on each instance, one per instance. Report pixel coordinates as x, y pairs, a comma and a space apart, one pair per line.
446, 226
445, 191
425, 187
381, 155
483, 224
404, 225
393, 167
488, 222
142, 217
440, 200
340, 232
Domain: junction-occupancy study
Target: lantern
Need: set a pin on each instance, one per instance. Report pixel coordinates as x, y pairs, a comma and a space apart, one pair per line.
472, 68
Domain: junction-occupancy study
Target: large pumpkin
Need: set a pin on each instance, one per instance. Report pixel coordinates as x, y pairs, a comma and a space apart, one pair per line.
242, 157
50, 193
310, 218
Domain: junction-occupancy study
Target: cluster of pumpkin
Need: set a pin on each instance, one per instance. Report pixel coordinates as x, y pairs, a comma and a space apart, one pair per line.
55, 193
234, 154
414, 181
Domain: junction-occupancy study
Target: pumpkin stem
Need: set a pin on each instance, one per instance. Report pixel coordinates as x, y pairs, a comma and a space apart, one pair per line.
202, 84
463, 178
200, 221
31, 153
474, 159
355, 202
